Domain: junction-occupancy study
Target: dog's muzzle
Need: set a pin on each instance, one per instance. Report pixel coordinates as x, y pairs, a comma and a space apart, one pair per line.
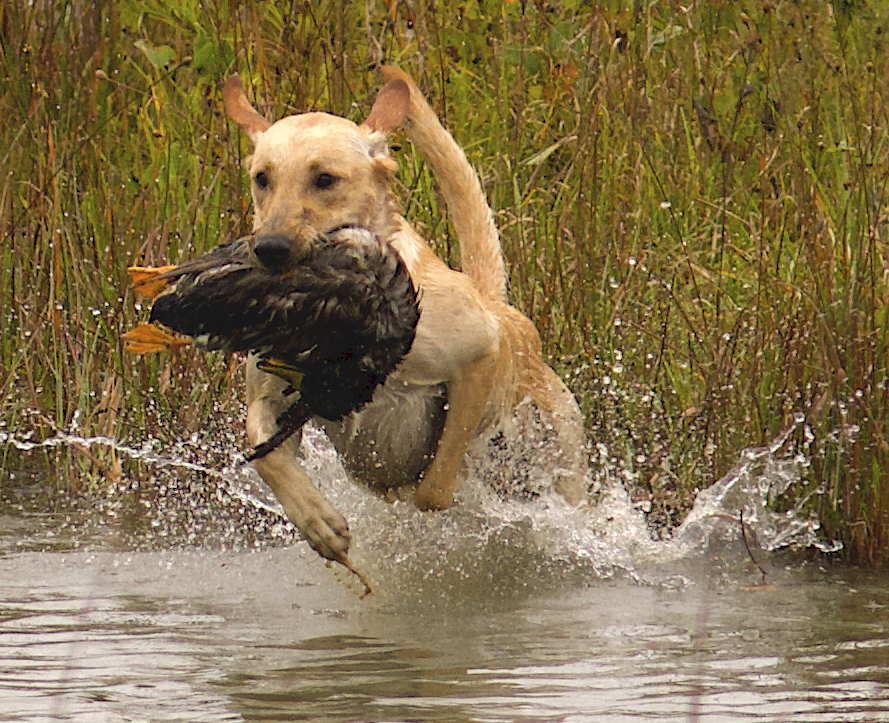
273, 250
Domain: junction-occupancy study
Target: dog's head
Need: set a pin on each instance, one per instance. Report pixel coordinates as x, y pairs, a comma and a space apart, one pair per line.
315, 173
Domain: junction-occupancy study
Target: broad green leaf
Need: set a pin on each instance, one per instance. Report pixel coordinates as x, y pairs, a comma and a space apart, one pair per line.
159, 57
210, 58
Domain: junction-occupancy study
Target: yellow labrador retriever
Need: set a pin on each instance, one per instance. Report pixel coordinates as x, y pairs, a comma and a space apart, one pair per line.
475, 365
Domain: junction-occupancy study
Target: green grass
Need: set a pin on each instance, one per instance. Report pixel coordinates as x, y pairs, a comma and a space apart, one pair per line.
693, 205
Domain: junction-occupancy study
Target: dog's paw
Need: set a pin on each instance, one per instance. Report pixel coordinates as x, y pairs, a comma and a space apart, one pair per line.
326, 531
429, 498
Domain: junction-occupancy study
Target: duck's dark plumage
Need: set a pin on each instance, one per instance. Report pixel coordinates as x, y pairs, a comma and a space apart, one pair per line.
343, 317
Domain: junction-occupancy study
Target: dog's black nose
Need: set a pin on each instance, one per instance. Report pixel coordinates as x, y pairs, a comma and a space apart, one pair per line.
273, 250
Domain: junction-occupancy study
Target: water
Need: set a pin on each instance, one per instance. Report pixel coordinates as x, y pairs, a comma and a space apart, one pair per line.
205, 607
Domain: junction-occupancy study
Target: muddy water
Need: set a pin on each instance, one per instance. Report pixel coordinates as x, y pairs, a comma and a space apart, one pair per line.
493, 611
274, 636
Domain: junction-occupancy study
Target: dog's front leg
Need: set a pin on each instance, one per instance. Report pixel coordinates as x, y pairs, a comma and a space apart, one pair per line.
323, 527
468, 398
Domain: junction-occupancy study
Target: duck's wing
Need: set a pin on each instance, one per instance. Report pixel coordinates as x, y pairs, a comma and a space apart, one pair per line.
362, 318
232, 308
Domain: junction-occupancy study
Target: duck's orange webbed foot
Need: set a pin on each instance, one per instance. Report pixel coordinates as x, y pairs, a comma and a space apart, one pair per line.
144, 279
147, 338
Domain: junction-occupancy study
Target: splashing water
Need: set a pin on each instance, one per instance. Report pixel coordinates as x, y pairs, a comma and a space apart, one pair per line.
238, 480
744, 495
485, 536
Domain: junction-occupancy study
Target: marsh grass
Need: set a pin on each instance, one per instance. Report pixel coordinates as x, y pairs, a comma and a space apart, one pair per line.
692, 203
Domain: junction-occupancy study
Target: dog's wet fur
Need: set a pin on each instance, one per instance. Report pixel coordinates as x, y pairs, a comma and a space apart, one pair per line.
476, 362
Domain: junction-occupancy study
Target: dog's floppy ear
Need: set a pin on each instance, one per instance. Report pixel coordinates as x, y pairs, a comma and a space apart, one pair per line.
239, 109
391, 107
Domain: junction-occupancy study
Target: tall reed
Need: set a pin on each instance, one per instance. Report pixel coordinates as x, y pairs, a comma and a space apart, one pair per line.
692, 201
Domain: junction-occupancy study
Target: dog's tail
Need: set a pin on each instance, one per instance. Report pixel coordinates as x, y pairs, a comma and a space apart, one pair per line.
480, 251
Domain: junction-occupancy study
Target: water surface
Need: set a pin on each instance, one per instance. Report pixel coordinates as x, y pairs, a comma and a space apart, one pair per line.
492, 611
275, 636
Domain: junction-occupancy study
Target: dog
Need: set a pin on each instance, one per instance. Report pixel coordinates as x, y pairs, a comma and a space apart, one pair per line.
476, 362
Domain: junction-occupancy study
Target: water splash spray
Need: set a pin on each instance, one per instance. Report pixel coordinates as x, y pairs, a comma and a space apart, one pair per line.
485, 532
239, 480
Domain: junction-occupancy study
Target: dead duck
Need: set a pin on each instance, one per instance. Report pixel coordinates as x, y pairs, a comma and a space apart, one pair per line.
334, 326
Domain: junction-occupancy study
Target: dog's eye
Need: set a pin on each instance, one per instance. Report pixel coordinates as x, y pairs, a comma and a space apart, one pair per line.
261, 179
324, 180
